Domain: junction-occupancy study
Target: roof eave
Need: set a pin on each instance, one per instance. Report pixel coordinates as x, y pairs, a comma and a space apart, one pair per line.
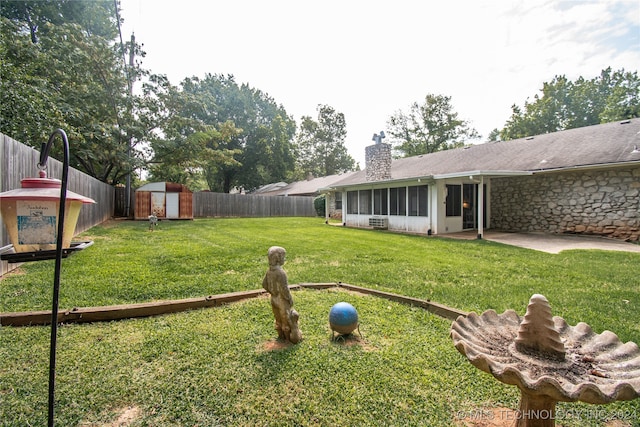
425, 178
588, 167
488, 173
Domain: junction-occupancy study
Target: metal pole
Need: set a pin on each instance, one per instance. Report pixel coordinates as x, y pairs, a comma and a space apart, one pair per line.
56, 276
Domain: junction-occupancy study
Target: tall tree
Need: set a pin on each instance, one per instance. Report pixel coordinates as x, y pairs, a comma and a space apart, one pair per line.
321, 145
62, 67
429, 127
257, 152
187, 160
565, 104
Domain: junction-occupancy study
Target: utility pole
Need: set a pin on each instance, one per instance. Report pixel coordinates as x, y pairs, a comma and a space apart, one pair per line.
130, 82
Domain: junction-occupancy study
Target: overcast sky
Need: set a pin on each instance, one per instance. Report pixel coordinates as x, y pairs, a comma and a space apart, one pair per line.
369, 59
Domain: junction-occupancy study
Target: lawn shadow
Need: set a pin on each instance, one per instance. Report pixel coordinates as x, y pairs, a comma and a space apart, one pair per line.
274, 359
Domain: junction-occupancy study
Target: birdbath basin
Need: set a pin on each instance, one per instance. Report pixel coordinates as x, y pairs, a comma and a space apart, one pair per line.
548, 360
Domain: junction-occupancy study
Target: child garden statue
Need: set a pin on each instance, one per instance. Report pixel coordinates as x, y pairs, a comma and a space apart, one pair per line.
275, 282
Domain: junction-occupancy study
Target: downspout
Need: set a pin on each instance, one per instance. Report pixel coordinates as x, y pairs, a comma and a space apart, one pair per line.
430, 201
480, 206
326, 207
345, 208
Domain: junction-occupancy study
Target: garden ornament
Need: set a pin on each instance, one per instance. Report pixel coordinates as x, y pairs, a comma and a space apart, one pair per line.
275, 282
153, 221
548, 360
343, 318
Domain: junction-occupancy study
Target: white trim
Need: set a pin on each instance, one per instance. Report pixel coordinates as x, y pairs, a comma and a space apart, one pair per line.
493, 174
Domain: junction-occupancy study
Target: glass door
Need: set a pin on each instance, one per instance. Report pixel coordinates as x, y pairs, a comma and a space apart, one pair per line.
469, 206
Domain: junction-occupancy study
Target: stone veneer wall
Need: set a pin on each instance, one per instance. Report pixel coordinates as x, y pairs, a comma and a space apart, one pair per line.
599, 202
377, 159
333, 212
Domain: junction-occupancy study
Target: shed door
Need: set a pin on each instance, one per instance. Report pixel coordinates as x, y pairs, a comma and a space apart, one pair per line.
157, 204
173, 205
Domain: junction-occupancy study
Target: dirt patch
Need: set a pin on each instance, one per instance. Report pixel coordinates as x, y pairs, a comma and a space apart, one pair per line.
16, 271
126, 417
276, 345
353, 340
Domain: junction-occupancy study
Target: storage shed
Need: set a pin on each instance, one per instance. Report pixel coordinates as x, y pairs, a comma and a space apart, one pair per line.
166, 199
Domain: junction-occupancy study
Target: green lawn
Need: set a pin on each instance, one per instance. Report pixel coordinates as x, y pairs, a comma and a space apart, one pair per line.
212, 367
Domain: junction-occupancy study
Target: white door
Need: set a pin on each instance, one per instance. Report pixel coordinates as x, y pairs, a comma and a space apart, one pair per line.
173, 205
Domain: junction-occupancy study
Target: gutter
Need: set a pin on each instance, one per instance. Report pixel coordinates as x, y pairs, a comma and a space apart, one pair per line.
587, 167
427, 179
489, 173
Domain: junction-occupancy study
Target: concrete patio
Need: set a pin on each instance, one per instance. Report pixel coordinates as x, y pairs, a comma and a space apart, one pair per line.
551, 243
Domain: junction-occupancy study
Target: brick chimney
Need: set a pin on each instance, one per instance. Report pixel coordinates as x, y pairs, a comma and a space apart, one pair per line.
378, 162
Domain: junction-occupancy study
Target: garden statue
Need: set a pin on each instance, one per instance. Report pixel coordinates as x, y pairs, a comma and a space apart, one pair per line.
548, 360
275, 282
153, 221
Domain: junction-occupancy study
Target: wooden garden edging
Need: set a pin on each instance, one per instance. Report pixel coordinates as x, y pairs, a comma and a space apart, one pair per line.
126, 311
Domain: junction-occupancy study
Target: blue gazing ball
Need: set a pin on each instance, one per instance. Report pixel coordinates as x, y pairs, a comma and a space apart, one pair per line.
343, 318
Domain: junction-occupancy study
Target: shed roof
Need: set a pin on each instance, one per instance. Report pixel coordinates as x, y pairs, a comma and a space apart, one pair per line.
169, 187
605, 144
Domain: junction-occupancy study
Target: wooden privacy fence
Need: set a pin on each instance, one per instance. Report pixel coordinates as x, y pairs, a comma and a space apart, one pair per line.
220, 205
207, 204
18, 161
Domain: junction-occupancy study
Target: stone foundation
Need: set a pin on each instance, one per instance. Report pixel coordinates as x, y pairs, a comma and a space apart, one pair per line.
597, 202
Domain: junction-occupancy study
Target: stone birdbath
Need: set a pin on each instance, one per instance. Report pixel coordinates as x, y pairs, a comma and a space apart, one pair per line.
548, 360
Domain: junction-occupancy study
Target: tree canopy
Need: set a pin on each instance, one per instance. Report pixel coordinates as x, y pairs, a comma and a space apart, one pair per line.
321, 145
62, 68
565, 104
227, 134
429, 127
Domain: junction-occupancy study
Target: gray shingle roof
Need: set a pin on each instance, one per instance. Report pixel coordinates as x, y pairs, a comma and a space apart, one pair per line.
303, 188
609, 143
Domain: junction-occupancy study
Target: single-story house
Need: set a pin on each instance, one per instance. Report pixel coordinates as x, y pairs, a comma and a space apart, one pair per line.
584, 180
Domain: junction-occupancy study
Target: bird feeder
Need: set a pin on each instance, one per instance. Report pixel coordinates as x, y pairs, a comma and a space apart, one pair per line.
41, 218
31, 214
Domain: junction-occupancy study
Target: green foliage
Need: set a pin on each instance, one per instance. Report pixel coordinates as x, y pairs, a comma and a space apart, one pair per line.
564, 104
184, 162
62, 68
319, 203
214, 366
320, 145
253, 141
429, 127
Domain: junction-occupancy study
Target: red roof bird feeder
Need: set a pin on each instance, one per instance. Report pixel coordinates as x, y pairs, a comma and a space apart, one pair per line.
41, 218
31, 214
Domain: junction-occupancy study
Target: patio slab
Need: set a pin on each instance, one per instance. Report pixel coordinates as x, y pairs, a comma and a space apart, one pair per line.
551, 243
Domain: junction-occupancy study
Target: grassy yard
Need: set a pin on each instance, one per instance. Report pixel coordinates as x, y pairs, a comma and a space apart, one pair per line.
215, 367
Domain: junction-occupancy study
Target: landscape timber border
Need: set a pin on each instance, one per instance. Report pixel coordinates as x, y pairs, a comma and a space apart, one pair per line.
156, 308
